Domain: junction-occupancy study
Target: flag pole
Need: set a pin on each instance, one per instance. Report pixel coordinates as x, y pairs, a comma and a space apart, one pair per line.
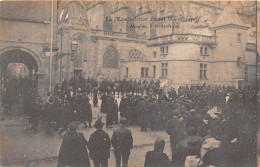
50, 86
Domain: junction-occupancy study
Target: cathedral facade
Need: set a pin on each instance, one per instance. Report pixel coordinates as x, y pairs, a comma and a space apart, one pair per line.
179, 43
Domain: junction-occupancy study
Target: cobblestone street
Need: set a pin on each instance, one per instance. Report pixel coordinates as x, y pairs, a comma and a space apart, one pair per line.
23, 148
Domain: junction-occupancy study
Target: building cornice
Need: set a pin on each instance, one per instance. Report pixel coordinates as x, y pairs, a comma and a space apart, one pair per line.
178, 60
118, 39
24, 42
25, 20
110, 35
251, 65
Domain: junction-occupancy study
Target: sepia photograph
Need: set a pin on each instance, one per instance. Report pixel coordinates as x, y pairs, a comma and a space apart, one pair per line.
129, 83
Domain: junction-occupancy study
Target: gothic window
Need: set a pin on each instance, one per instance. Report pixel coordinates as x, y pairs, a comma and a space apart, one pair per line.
135, 54
110, 58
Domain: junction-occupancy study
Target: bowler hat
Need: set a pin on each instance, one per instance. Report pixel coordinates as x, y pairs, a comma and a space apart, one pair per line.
98, 124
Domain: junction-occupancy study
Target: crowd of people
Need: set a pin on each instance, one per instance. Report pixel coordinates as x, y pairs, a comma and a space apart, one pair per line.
16, 91
207, 125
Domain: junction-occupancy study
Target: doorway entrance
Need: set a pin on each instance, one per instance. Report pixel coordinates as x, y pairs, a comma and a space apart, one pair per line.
18, 77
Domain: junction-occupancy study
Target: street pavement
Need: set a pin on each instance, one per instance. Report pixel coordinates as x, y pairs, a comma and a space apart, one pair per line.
20, 147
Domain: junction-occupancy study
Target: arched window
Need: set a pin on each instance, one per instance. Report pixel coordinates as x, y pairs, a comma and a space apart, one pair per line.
135, 54
110, 58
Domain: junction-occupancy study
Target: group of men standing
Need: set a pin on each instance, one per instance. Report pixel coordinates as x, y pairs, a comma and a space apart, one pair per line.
129, 86
60, 109
99, 145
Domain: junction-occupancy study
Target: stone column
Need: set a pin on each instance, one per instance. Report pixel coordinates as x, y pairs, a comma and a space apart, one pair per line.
96, 70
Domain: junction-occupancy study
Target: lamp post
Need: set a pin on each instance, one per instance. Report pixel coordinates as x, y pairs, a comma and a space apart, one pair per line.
50, 86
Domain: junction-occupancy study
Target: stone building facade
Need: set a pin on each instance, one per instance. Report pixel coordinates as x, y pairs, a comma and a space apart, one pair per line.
144, 41
180, 43
25, 38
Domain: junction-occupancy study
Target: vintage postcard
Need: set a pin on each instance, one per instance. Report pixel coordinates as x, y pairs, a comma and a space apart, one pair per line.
133, 83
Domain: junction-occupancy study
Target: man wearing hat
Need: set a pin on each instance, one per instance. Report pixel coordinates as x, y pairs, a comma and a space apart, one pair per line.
144, 113
111, 110
123, 106
122, 142
175, 128
99, 145
95, 99
195, 120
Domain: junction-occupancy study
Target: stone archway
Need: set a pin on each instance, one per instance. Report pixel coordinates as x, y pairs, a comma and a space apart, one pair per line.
28, 51
24, 56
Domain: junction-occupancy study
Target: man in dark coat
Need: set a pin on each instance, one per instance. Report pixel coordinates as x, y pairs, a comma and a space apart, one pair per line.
175, 128
195, 120
95, 99
166, 108
111, 110
86, 111
99, 145
73, 151
103, 103
157, 158
123, 107
155, 114
35, 115
122, 142
144, 114
49, 110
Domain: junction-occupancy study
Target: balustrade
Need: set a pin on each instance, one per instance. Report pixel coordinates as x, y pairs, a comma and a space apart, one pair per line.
117, 34
182, 38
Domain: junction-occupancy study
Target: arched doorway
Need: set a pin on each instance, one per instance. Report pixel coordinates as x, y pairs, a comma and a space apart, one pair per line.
15, 87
